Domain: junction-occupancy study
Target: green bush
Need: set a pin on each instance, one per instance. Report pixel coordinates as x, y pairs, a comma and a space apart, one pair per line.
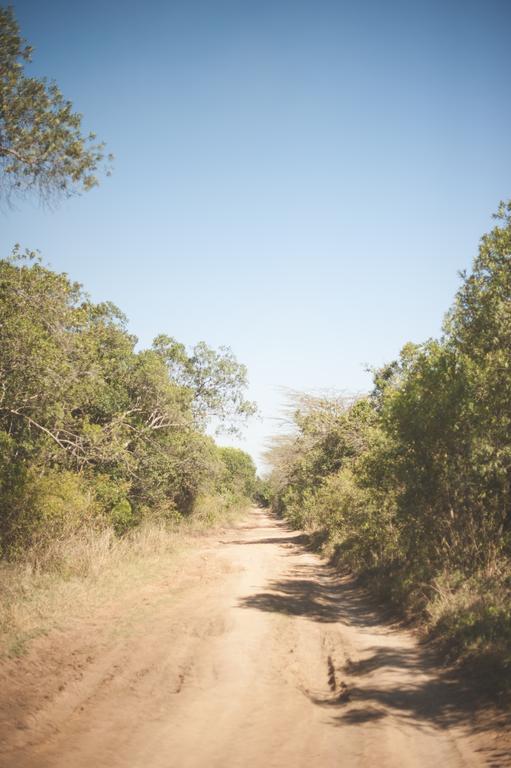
43, 507
411, 486
122, 517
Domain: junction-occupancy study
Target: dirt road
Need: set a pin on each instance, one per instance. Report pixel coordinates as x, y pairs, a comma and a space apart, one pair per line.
253, 655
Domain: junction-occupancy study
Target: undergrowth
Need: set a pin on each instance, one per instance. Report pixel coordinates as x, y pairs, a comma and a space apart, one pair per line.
467, 617
52, 585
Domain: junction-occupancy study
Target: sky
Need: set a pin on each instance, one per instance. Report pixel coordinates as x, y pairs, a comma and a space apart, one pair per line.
299, 181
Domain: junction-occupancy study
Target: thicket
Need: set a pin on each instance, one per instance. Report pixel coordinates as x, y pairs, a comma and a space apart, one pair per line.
95, 434
410, 487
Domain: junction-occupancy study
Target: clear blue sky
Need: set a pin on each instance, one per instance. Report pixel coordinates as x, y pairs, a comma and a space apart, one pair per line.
300, 181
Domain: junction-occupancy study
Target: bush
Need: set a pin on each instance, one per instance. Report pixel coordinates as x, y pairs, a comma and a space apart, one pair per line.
41, 508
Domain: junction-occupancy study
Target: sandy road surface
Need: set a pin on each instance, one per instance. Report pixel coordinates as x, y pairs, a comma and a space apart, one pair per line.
254, 655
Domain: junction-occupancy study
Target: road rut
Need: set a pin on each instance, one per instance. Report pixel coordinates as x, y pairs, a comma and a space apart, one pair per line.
256, 655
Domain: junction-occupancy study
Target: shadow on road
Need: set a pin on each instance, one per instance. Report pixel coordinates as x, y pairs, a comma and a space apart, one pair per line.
391, 679
317, 593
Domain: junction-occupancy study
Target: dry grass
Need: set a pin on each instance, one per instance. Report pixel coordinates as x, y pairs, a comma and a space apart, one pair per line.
61, 582
471, 618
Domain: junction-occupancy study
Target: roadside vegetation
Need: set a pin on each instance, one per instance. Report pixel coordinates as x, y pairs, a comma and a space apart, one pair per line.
107, 463
410, 487
55, 587
105, 453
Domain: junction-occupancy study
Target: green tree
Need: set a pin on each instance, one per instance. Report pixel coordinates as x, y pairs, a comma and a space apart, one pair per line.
411, 487
216, 380
42, 146
239, 475
88, 422
479, 329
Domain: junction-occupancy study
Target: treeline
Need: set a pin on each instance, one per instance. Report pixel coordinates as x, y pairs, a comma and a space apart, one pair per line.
93, 432
410, 487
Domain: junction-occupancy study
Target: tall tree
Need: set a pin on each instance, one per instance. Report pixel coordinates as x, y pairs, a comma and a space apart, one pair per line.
42, 146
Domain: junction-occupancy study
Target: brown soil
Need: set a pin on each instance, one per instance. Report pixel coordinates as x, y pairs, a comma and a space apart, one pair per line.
251, 653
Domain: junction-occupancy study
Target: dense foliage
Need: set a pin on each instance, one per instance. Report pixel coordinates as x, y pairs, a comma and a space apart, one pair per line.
411, 486
42, 146
94, 432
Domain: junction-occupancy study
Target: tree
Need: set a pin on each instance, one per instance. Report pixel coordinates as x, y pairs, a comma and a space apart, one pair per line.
479, 328
42, 147
90, 428
62, 364
239, 475
215, 378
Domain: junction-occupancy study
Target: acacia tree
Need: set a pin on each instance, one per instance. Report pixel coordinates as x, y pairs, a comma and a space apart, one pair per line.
42, 146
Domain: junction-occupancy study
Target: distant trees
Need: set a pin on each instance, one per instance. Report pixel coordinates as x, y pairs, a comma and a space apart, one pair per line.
239, 473
42, 146
412, 484
90, 428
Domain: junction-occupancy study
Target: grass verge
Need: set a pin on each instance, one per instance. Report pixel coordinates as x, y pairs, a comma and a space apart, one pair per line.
55, 585
467, 618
